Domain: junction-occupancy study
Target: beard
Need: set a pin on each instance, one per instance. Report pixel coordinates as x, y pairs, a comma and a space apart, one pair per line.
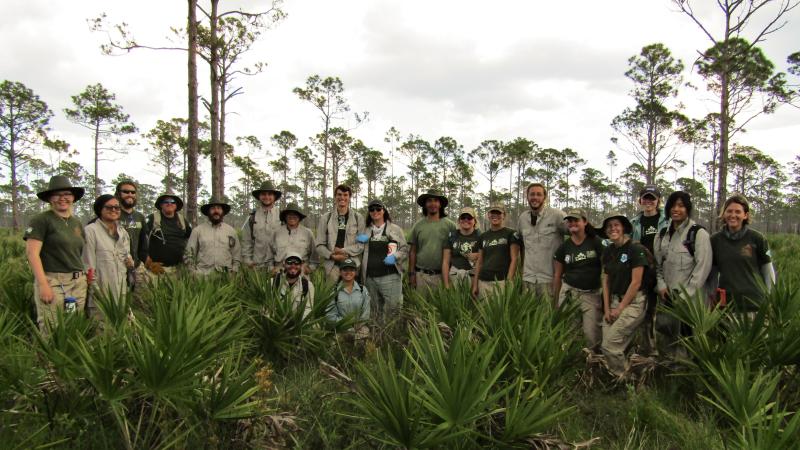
292, 272
215, 219
128, 202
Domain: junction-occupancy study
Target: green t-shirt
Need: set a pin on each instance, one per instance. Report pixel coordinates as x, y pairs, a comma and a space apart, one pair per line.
739, 262
581, 262
62, 241
460, 245
496, 246
133, 224
619, 262
430, 238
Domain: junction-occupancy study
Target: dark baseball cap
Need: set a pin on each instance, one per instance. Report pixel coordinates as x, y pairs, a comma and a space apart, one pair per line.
650, 189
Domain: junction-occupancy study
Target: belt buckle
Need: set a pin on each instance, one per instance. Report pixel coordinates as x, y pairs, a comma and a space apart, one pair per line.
76, 275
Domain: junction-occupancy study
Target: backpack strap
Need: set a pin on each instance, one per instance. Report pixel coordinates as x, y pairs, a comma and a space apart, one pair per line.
251, 222
304, 283
691, 237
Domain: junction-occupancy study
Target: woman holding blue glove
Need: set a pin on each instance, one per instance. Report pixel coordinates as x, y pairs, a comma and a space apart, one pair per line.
385, 250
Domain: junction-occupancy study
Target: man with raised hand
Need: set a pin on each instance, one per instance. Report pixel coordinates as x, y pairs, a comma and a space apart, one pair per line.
214, 245
336, 233
258, 229
542, 230
428, 240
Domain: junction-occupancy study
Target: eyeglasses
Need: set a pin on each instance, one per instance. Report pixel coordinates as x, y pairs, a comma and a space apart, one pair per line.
112, 207
128, 191
375, 208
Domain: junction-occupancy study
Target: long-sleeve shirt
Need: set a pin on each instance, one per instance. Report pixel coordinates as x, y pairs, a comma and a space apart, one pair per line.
540, 243
257, 236
676, 266
328, 230
348, 303
213, 248
107, 254
299, 240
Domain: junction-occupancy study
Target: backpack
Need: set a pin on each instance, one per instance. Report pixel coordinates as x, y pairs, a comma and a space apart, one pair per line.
691, 237
276, 283
251, 222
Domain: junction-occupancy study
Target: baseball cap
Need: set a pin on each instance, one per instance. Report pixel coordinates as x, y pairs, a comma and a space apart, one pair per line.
499, 208
650, 189
576, 213
468, 210
349, 262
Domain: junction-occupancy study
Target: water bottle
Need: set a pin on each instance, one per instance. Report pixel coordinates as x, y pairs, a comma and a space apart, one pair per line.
70, 304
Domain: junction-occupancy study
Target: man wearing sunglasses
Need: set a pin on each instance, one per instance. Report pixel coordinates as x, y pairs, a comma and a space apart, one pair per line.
133, 222
542, 230
292, 282
164, 237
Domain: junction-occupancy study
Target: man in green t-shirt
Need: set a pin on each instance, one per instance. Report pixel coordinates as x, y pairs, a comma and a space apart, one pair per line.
498, 249
428, 239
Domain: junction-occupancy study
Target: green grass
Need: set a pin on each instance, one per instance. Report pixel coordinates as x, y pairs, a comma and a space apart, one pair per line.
225, 363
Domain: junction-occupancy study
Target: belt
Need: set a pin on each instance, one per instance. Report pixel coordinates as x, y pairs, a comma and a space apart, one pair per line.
428, 271
76, 275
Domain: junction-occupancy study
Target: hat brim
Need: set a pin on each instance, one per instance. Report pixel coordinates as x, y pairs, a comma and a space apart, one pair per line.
177, 199
424, 198
258, 192
626, 225
77, 192
286, 212
226, 208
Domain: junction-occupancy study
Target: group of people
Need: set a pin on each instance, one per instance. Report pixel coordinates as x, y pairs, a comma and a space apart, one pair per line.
617, 273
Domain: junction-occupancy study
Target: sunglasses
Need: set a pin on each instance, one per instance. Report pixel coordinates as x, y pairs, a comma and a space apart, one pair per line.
465, 217
292, 262
375, 208
112, 207
127, 191
168, 202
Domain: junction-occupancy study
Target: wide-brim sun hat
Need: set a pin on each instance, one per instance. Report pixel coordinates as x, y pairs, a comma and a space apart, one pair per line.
293, 208
178, 201
205, 209
60, 183
267, 187
432, 194
626, 224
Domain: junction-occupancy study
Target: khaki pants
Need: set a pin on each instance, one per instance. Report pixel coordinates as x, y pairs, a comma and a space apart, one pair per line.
153, 278
591, 302
460, 275
487, 288
63, 285
618, 334
428, 281
541, 289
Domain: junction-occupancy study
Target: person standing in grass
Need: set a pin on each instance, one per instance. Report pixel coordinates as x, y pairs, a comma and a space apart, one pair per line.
133, 222
54, 242
351, 300
385, 250
461, 253
624, 263
259, 227
742, 257
428, 239
577, 274
293, 238
542, 230
107, 253
214, 245
336, 233
646, 226
683, 257
498, 252
163, 240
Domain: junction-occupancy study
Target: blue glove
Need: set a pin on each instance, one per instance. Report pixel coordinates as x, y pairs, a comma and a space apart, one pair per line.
390, 260
362, 238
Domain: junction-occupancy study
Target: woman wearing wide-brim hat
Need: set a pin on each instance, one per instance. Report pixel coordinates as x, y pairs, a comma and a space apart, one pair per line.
54, 241
292, 236
624, 265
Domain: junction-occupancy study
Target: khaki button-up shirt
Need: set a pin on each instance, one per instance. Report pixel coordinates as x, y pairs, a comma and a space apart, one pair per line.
299, 240
256, 245
107, 255
327, 231
213, 248
541, 242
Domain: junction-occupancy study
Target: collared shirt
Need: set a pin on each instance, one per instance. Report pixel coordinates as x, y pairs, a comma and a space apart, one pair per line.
107, 254
349, 303
328, 231
677, 268
299, 240
213, 248
295, 291
540, 242
256, 244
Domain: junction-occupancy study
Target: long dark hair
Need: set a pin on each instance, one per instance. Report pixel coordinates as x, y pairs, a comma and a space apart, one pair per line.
442, 212
386, 217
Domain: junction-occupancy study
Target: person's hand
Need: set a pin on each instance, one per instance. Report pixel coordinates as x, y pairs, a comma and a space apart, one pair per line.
390, 260
362, 238
615, 313
46, 293
472, 257
129, 262
607, 316
338, 257
663, 294
474, 291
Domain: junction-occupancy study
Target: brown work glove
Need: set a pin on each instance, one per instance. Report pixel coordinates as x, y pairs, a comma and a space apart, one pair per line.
155, 267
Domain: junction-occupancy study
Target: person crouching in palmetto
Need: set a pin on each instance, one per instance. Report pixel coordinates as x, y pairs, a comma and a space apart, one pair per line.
214, 245
351, 300
292, 282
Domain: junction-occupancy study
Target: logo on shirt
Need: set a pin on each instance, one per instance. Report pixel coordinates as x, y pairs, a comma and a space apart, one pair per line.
498, 241
465, 247
623, 258
650, 230
591, 254
580, 257
29, 230
747, 251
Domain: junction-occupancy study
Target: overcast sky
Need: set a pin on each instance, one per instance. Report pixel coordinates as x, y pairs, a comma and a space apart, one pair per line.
548, 71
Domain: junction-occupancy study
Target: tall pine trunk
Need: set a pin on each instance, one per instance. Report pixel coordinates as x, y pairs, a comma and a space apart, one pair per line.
193, 144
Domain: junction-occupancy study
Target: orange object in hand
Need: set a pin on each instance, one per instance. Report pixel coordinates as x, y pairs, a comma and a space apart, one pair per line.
90, 275
722, 296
